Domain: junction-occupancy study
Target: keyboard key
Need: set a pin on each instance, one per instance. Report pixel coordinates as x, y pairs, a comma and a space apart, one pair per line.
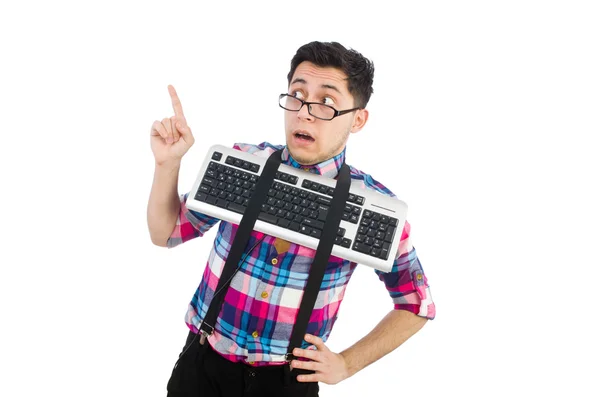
305, 229
322, 215
209, 181
263, 216
389, 236
385, 252
283, 222
313, 223
360, 247
236, 207
323, 200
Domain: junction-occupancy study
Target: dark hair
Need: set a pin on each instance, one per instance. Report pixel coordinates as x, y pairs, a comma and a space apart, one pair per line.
358, 69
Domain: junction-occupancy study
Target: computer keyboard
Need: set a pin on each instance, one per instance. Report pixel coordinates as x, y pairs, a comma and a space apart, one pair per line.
296, 206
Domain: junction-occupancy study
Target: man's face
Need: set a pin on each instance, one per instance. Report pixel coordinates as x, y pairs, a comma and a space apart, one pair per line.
311, 140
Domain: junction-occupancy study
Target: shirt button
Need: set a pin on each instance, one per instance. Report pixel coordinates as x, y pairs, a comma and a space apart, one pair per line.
274, 261
255, 334
419, 276
251, 362
264, 294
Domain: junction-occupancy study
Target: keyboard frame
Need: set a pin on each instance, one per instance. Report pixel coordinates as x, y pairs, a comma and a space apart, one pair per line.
374, 201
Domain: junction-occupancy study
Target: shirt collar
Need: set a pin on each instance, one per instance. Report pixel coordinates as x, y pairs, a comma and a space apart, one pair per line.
328, 168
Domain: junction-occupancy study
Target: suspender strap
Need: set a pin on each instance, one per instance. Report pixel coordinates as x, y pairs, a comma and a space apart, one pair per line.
317, 270
241, 241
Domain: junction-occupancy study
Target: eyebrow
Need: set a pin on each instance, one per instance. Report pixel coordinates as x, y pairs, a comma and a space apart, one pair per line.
327, 86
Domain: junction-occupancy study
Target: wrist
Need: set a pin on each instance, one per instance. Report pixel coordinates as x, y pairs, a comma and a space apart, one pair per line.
168, 165
347, 372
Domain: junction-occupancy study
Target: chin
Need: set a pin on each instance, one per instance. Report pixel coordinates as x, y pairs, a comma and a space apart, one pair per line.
303, 159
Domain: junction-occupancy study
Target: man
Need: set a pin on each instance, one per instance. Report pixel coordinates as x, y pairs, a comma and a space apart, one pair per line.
329, 87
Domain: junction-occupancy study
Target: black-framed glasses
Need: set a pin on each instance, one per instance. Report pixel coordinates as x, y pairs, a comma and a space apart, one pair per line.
315, 109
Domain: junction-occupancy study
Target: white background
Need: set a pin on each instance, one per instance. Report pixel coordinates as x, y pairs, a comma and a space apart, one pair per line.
493, 111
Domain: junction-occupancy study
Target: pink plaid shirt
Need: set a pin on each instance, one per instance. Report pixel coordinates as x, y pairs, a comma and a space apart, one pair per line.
255, 322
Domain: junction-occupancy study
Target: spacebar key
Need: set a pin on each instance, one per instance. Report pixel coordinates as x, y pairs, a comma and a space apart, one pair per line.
263, 216
236, 208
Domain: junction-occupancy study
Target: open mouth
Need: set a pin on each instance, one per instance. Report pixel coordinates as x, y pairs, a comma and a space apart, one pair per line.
304, 137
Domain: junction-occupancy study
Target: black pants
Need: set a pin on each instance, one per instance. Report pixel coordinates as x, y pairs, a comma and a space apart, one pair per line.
202, 372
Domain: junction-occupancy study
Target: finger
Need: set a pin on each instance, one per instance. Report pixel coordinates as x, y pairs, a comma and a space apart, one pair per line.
177, 108
310, 365
176, 133
158, 130
308, 378
315, 340
166, 122
306, 353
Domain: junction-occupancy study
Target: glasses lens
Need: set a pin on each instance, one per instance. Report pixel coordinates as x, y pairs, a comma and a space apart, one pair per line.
317, 110
290, 103
321, 111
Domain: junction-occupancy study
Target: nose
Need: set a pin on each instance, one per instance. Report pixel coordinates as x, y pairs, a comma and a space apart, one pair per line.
303, 113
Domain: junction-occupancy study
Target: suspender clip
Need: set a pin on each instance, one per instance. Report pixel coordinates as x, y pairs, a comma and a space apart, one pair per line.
204, 334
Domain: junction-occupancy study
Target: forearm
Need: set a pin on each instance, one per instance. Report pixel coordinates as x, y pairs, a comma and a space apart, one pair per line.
163, 204
395, 328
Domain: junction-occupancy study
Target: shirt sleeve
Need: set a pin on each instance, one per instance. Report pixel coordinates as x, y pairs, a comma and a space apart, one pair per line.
406, 282
190, 224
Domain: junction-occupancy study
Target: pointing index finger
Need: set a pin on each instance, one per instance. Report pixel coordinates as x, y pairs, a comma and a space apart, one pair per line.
177, 108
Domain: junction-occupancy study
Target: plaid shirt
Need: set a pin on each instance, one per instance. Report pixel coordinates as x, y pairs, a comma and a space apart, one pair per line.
263, 299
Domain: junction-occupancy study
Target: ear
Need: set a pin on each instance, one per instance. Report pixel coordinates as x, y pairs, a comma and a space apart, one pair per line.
360, 119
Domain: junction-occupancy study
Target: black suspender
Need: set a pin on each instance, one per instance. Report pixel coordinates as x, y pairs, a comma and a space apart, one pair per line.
318, 266
240, 242
317, 269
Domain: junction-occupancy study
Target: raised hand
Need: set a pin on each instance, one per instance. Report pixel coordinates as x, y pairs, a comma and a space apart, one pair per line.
171, 138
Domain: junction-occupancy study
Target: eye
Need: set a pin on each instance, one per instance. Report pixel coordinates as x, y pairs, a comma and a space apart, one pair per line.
297, 94
328, 101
